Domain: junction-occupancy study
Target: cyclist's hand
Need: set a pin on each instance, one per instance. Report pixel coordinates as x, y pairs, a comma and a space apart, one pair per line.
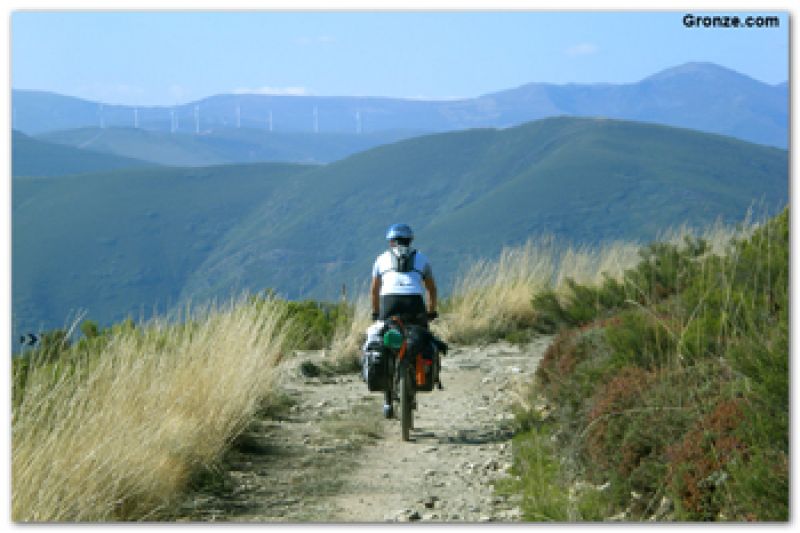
433, 315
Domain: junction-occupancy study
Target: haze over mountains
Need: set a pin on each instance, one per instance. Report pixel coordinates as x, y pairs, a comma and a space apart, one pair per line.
701, 96
126, 241
32, 157
222, 145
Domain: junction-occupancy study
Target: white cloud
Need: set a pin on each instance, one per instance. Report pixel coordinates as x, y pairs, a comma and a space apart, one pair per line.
582, 49
281, 91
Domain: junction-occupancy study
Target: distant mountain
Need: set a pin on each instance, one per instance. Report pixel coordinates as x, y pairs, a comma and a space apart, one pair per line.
31, 157
222, 145
701, 96
127, 241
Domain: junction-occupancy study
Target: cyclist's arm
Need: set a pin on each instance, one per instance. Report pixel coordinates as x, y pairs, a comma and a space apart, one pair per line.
375, 292
430, 287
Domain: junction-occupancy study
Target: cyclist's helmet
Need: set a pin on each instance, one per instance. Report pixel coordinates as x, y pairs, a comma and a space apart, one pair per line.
399, 231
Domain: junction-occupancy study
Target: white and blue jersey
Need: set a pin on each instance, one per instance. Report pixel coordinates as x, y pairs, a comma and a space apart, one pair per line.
400, 283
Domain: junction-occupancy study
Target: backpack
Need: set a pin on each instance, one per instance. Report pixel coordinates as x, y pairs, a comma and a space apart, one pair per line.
405, 263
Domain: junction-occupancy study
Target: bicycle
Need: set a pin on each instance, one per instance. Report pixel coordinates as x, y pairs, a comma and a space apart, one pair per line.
412, 366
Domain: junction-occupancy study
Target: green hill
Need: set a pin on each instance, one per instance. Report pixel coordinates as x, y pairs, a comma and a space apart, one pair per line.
223, 145
468, 194
32, 157
122, 242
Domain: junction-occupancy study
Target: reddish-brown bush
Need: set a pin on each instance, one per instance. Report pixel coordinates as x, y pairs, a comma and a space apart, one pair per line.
552, 367
704, 451
614, 399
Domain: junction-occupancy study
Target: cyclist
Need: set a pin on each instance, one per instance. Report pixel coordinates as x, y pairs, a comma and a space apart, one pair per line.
400, 276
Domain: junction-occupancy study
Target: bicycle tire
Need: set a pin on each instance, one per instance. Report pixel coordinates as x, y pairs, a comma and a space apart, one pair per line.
406, 413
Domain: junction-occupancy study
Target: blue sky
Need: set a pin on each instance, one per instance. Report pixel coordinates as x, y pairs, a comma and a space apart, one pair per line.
167, 58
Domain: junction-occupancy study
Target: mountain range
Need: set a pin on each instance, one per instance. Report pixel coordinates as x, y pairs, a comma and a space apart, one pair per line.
130, 241
701, 96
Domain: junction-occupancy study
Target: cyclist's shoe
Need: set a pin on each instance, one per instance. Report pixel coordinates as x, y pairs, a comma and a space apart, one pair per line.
388, 411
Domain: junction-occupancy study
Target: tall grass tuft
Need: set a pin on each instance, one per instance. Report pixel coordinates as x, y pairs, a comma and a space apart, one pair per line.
116, 434
348, 337
492, 299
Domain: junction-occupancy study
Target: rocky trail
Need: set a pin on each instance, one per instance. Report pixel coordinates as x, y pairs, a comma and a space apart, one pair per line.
325, 453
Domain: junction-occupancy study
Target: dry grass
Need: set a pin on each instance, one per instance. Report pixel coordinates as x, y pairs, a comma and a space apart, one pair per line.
493, 297
717, 235
587, 265
119, 439
347, 340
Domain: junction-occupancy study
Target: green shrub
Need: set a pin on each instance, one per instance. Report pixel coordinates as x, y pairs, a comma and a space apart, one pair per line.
634, 420
52, 344
313, 323
757, 487
544, 492
664, 270
674, 381
550, 315
90, 329
581, 305
640, 337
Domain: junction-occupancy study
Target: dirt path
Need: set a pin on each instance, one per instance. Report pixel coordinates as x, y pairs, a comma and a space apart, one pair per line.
326, 454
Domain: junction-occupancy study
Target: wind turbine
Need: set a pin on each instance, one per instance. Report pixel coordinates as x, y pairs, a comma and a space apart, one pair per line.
102, 118
197, 119
316, 120
358, 122
238, 116
173, 122
136, 117
270, 120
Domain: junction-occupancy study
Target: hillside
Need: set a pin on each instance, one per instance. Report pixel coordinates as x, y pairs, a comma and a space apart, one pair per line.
124, 242
468, 194
32, 157
701, 96
223, 145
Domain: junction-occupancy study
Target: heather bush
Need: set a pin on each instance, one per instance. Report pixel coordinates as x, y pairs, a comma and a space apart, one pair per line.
669, 385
